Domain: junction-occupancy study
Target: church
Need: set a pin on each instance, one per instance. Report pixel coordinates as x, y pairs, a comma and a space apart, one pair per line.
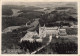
43, 31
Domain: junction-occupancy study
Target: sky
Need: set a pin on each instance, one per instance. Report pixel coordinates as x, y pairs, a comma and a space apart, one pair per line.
42, 4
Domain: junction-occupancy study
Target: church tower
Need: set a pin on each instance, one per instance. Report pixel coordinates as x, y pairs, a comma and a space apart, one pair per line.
42, 31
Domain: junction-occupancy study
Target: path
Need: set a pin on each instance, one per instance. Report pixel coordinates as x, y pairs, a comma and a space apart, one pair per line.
50, 38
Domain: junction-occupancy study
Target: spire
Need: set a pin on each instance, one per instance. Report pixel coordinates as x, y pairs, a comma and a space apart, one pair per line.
44, 25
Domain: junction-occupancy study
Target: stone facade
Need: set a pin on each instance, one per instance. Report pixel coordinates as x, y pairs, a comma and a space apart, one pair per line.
43, 31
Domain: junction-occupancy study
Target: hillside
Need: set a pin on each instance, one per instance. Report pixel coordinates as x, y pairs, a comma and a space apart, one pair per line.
19, 14
60, 14
7, 9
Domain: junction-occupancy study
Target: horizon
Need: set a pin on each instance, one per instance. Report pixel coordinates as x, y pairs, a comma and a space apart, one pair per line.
42, 4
